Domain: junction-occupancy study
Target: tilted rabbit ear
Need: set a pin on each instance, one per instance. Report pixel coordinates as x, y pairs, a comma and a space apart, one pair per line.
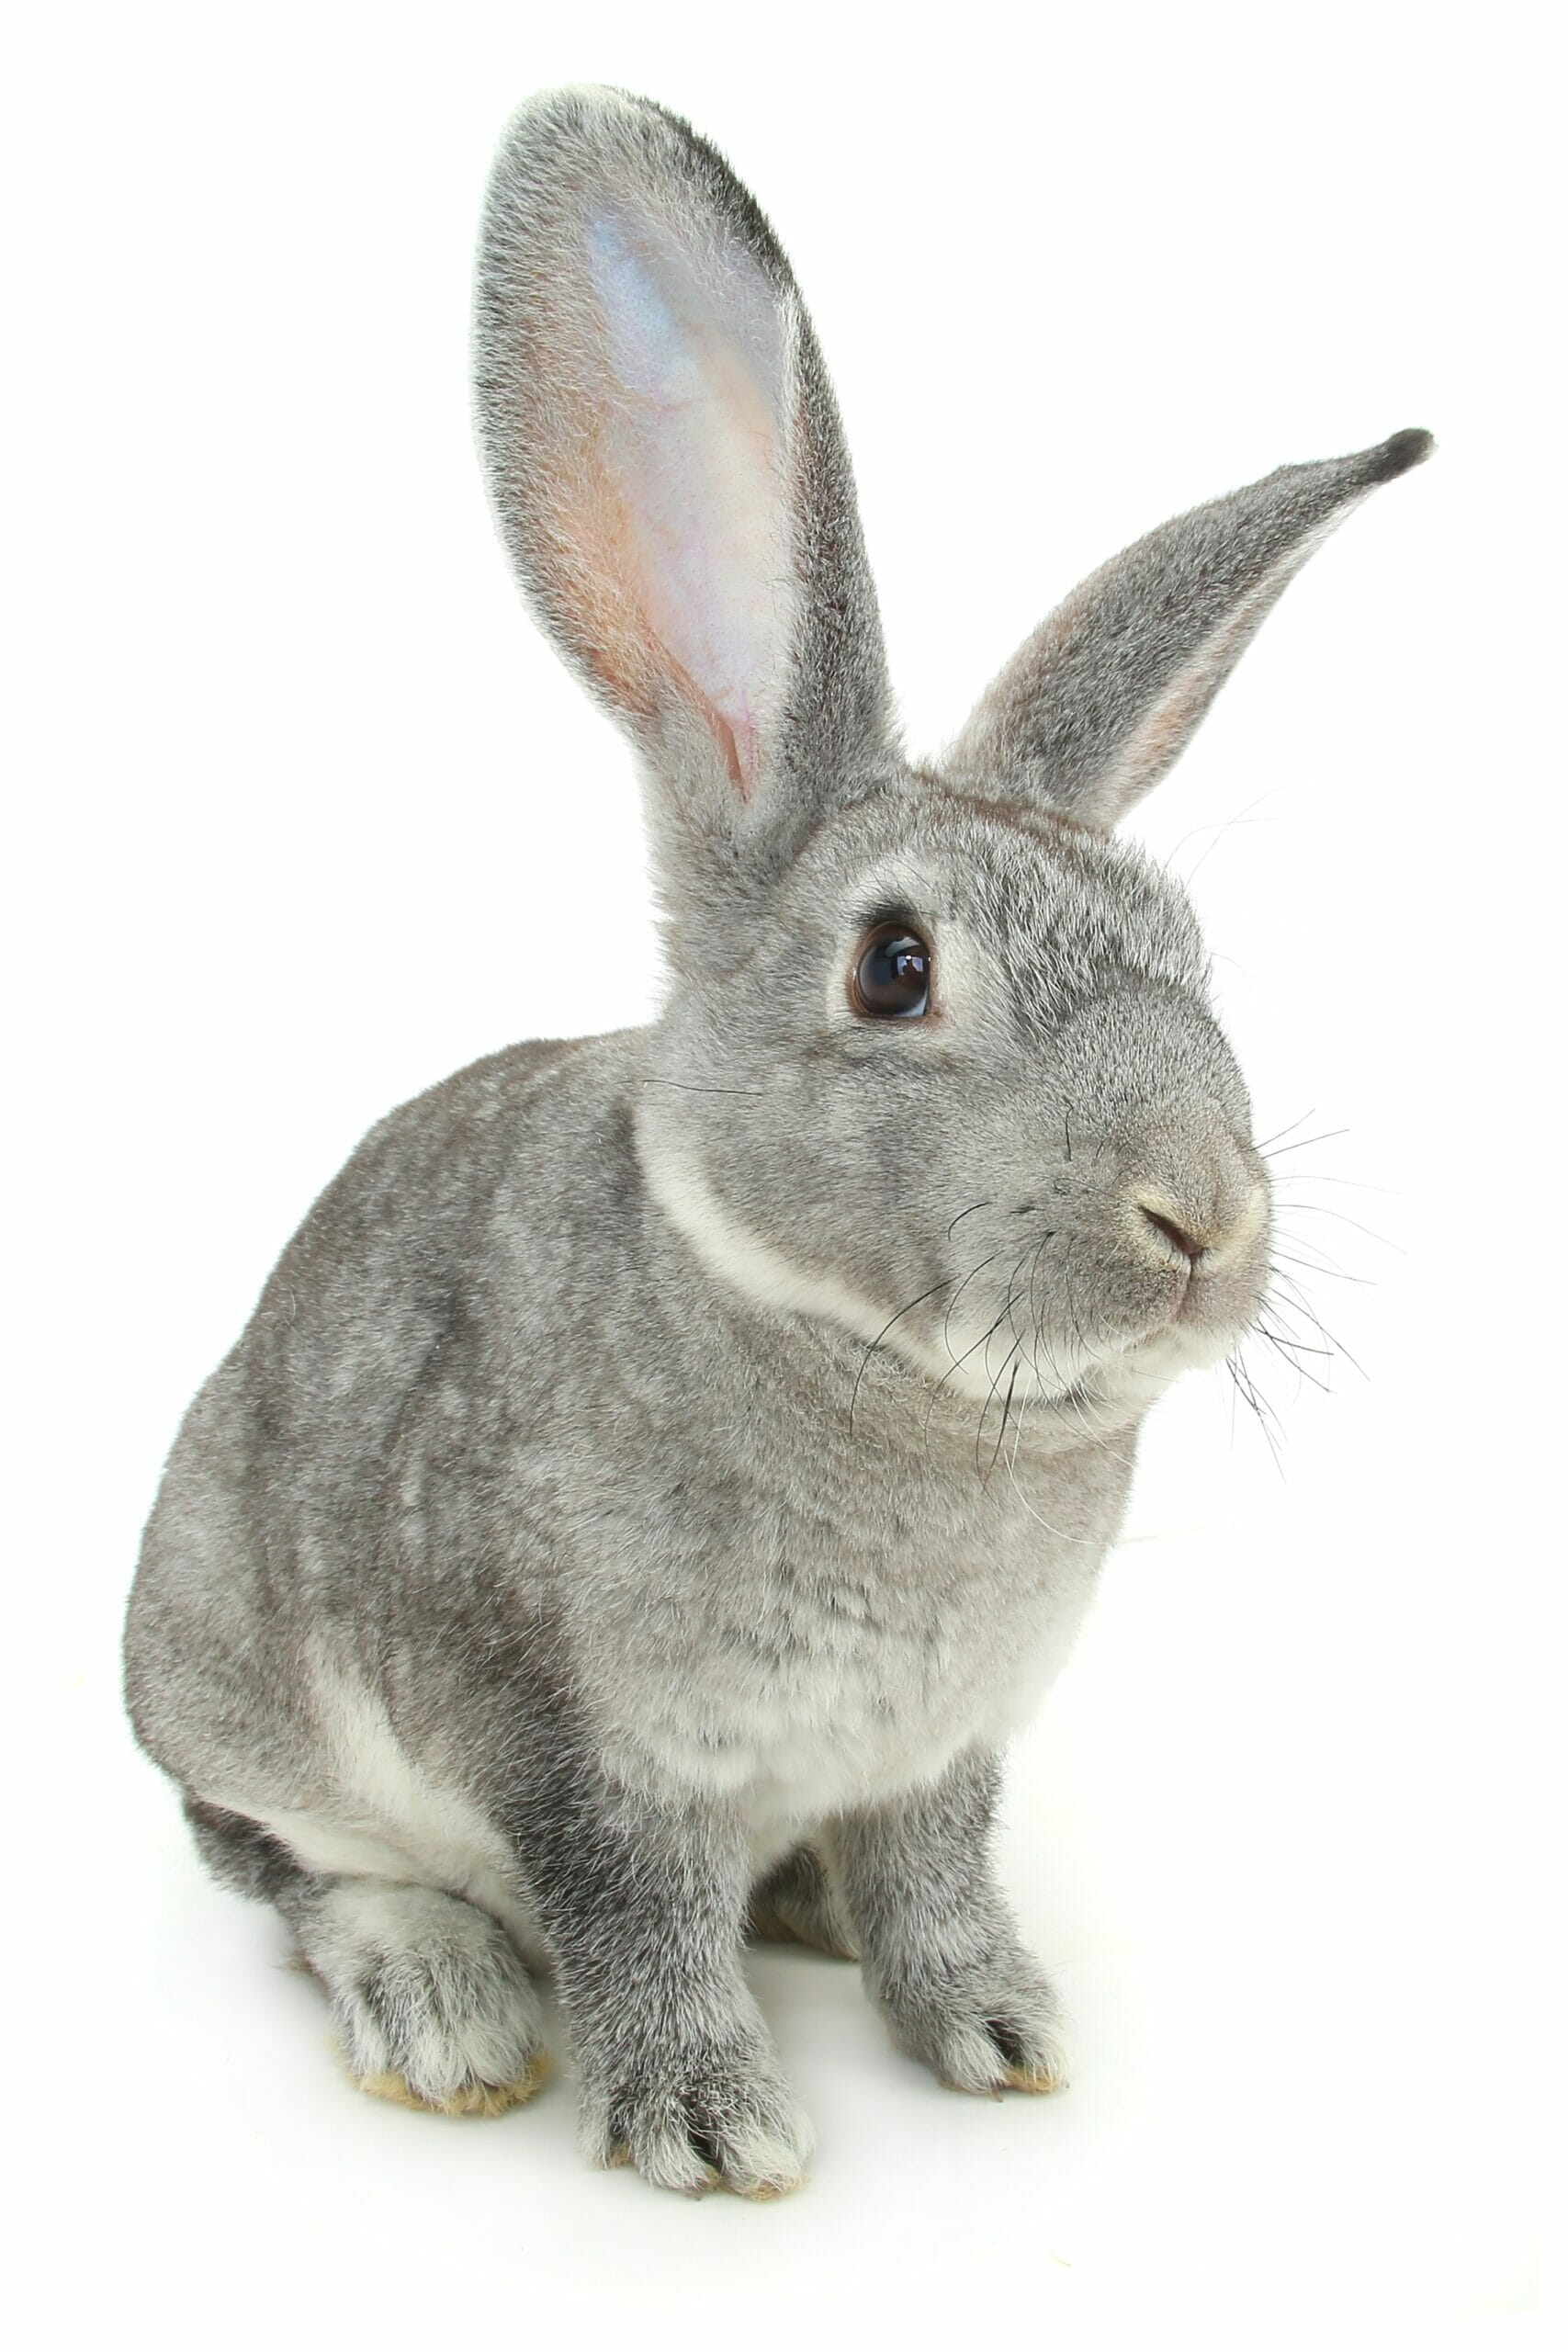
666, 461
1095, 706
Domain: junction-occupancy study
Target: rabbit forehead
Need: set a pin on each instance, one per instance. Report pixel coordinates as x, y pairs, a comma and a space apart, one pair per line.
1050, 902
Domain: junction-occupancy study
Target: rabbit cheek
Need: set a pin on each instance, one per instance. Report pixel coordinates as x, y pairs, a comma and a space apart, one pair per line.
740, 1258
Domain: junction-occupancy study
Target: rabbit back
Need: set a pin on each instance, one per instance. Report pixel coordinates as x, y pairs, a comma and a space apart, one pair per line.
286, 1525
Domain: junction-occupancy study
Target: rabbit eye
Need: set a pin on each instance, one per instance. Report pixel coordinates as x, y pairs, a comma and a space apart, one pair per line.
891, 977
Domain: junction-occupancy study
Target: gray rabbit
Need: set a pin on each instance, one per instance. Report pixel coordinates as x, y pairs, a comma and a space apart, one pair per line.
665, 1468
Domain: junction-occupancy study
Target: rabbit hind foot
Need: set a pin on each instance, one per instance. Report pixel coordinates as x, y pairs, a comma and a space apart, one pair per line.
431, 2001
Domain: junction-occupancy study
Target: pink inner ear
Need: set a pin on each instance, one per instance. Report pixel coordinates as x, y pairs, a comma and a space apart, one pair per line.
689, 438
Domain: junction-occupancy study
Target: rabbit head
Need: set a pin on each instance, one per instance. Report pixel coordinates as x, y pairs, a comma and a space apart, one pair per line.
939, 1064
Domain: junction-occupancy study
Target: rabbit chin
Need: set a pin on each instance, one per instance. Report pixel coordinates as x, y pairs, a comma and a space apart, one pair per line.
1119, 1377
1117, 1380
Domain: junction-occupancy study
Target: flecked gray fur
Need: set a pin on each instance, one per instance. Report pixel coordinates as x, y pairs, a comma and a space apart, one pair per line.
664, 1468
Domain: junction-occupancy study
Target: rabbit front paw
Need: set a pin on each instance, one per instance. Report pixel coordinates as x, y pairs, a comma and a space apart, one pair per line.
988, 2027
700, 2120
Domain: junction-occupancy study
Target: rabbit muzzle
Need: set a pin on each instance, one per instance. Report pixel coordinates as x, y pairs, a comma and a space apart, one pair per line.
1195, 1204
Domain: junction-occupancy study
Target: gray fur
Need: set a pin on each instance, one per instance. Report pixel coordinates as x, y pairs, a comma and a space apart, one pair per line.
1097, 704
798, 1902
665, 1468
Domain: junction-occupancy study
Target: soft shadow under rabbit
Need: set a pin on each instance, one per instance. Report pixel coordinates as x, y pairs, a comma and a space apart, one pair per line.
665, 1468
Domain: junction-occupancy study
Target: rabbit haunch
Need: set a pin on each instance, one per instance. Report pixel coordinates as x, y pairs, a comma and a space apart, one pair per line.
664, 1469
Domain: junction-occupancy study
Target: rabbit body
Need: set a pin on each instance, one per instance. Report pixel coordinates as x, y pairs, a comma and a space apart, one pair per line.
665, 1468
506, 1533
498, 1468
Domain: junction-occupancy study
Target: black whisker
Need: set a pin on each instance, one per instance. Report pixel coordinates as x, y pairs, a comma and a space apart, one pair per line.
1303, 1305
1016, 1349
1282, 1303
1012, 1352
875, 1343
1007, 1407
984, 1340
947, 1311
685, 1086
1262, 1411
1292, 1351
1302, 1347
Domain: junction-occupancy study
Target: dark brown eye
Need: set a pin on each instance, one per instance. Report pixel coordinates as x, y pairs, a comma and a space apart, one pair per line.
892, 974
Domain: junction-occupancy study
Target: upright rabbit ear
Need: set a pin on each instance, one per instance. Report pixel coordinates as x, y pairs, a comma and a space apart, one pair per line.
666, 461
1095, 706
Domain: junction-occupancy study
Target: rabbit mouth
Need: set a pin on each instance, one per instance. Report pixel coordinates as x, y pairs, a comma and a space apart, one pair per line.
1128, 1378
1202, 1326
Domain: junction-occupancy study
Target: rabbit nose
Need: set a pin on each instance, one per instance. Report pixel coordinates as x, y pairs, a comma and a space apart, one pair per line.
1193, 1195
1202, 1236
1187, 1243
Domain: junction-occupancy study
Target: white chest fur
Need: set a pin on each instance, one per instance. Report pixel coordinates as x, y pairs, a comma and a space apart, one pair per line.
816, 1701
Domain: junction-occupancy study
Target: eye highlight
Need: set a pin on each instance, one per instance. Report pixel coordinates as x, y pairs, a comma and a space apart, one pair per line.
891, 975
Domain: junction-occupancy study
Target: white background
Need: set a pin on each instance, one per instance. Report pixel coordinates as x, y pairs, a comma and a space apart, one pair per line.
305, 816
